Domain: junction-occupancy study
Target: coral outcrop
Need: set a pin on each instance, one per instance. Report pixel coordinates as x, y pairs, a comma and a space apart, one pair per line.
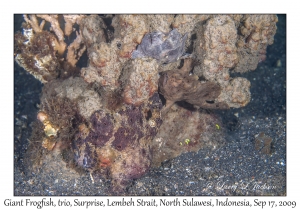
106, 59
220, 48
136, 103
256, 32
139, 81
216, 48
160, 23
188, 23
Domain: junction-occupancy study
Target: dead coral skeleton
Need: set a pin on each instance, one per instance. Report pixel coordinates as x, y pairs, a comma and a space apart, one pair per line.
70, 20
35, 30
60, 45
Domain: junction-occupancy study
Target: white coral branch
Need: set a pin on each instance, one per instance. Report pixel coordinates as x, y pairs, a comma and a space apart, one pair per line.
75, 50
